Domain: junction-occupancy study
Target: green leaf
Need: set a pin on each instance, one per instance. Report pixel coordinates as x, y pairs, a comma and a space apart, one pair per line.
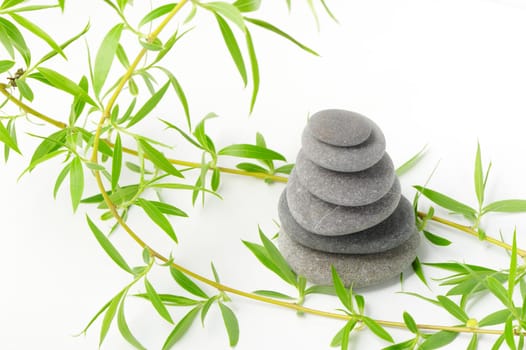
105, 56
128, 112
233, 47
342, 337
156, 301
255, 69
498, 343
321, 289
33, 28
156, 13
262, 255
76, 182
149, 105
498, 290
181, 328
329, 12
187, 283
155, 45
53, 53
360, 302
94, 318
506, 206
6, 138
169, 209
473, 343
172, 300
417, 268
453, 308
10, 3
65, 84
509, 334
125, 330
157, 217
281, 33
438, 340
231, 324
447, 202
200, 134
6, 65
10, 32
247, 5
158, 158
406, 345
60, 179
110, 314
180, 93
340, 289
497, 317
436, 240
108, 247
206, 308
228, 11
116, 165
512, 274
278, 259
24, 89
183, 134
251, 168
215, 180
479, 177
273, 294
411, 163
285, 169
61, 4
250, 151
377, 329
410, 323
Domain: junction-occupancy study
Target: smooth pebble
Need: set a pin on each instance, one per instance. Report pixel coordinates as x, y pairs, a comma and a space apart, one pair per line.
347, 189
339, 127
344, 159
390, 233
324, 218
356, 270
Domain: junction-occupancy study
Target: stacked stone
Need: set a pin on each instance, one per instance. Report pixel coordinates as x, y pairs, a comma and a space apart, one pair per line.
343, 205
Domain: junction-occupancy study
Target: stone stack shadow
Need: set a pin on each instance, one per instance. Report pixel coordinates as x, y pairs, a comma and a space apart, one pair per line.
343, 205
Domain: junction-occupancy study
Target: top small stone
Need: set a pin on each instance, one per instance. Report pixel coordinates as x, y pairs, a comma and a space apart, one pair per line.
339, 127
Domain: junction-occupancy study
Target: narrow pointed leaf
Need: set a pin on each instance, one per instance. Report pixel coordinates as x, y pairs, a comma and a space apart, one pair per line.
60, 179
206, 308
255, 69
231, 324
506, 206
65, 84
149, 105
447, 202
498, 290
497, 317
251, 168
124, 329
187, 283
473, 343
157, 217
281, 33
180, 93
509, 335
250, 151
156, 13
76, 182
108, 247
169, 209
105, 55
417, 268
6, 65
6, 138
341, 291
233, 47
273, 294
377, 329
512, 274
275, 255
479, 177
438, 340
410, 323
157, 302
33, 28
406, 345
24, 89
116, 165
247, 5
181, 328
436, 240
110, 315
228, 11
411, 163
453, 308
17, 40
158, 159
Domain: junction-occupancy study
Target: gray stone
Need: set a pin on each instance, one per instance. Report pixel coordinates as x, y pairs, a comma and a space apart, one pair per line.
390, 233
348, 189
345, 159
356, 270
339, 127
328, 219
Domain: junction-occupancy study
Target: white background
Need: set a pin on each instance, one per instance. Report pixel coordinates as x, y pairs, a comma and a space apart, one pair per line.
443, 73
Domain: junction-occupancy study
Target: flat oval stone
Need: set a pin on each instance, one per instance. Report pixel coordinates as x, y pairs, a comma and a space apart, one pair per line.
356, 270
339, 127
324, 218
390, 233
345, 159
347, 189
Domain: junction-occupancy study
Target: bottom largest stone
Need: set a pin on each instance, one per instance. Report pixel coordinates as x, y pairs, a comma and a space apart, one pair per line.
357, 270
